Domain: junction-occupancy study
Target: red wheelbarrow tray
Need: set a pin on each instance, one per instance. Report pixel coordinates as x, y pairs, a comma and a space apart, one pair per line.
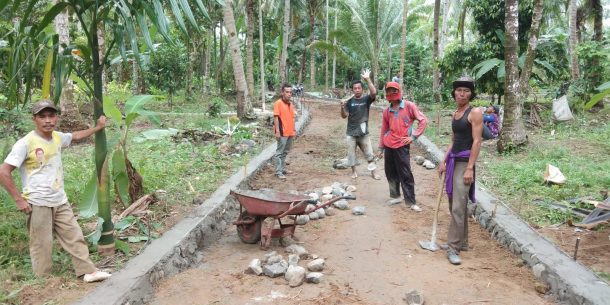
271, 202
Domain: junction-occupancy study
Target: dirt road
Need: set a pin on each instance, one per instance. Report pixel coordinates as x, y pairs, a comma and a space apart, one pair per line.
370, 259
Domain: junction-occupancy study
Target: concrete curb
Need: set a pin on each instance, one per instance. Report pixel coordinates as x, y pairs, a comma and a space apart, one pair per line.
181, 247
568, 280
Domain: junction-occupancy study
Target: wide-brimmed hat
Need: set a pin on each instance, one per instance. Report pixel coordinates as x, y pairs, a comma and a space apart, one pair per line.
393, 96
43, 104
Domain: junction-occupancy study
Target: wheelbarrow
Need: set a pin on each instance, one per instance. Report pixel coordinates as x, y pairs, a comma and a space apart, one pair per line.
255, 206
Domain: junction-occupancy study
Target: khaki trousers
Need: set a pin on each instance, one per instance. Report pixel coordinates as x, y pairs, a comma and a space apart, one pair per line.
43, 223
457, 237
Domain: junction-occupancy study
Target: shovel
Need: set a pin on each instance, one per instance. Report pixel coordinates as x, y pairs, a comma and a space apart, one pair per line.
431, 244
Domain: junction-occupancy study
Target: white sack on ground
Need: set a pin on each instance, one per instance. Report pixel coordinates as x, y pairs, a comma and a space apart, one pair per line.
552, 174
561, 109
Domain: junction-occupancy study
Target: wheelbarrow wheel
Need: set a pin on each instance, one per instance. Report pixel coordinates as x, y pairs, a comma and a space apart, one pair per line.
249, 233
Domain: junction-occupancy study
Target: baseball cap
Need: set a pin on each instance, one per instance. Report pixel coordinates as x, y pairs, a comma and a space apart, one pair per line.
43, 104
393, 96
464, 81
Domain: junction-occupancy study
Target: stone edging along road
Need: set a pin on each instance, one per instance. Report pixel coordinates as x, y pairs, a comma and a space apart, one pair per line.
180, 247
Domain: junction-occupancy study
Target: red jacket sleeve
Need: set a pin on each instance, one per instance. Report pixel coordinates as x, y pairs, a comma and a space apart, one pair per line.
420, 117
384, 127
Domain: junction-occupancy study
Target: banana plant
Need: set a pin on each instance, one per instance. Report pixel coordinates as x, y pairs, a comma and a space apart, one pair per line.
125, 20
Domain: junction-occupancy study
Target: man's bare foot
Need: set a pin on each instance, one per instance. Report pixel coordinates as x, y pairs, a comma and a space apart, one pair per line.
354, 175
375, 176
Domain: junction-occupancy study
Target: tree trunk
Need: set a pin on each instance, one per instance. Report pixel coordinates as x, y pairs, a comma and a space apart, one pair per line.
403, 43
575, 71
261, 50
71, 118
461, 25
435, 54
244, 105
135, 78
250, 47
302, 67
326, 53
285, 38
312, 53
191, 51
443, 35
531, 50
513, 132
334, 45
598, 36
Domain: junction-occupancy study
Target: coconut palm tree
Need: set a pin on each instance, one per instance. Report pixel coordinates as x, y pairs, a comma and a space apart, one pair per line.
244, 105
575, 70
403, 42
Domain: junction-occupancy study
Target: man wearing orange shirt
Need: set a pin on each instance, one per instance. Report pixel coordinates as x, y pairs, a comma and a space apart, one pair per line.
284, 115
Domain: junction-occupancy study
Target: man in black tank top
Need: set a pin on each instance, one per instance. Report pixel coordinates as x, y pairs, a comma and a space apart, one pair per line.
459, 162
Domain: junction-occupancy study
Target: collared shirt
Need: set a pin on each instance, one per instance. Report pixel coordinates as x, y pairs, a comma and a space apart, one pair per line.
285, 113
398, 124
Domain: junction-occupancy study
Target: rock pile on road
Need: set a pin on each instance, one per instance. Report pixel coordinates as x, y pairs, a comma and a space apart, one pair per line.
274, 265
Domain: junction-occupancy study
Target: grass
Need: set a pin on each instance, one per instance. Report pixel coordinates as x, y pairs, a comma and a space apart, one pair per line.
182, 168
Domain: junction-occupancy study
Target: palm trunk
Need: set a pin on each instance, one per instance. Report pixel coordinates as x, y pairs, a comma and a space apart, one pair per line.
250, 47
435, 53
243, 99
513, 132
531, 50
312, 53
261, 50
106, 242
443, 35
334, 45
102, 44
575, 71
71, 117
285, 38
326, 53
403, 43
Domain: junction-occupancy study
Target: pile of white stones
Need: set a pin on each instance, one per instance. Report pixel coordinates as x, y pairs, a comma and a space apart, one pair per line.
274, 265
424, 162
322, 195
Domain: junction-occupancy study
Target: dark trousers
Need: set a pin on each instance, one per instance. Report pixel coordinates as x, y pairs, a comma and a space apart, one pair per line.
398, 172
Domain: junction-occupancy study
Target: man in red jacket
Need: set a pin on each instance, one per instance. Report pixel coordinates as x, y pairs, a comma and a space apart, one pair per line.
394, 142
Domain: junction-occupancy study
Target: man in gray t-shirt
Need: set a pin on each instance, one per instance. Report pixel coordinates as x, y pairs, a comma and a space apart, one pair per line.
356, 110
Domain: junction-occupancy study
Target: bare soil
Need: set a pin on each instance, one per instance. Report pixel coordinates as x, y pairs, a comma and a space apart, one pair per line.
370, 259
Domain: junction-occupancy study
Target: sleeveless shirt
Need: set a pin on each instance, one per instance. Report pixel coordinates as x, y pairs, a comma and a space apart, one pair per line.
462, 130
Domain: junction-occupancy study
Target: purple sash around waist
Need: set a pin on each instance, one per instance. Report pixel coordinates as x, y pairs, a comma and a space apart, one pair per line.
450, 168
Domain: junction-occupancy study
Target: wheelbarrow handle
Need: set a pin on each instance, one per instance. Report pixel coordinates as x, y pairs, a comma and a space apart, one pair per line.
327, 203
293, 206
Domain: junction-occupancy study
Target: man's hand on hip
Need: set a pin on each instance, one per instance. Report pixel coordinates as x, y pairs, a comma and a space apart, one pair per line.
23, 206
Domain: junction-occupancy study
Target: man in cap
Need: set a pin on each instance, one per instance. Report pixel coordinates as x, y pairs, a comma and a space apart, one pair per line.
394, 143
459, 163
43, 199
356, 110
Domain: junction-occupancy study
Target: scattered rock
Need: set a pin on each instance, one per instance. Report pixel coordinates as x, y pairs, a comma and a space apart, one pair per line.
287, 241
351, 188
314, 277
274, 259
268, 255
419, 160
414, 297
275, 270
316, 265
314, 215
310, 208
327, 190
338, 192
315, 256
255, 267
541, 288
341, 204
327, 197
302, 219
298, 250
538, 269
330, 211
337, 185
293, 260
321, 213
519, 262
428, 164
314, 196
360, 210
295, 275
